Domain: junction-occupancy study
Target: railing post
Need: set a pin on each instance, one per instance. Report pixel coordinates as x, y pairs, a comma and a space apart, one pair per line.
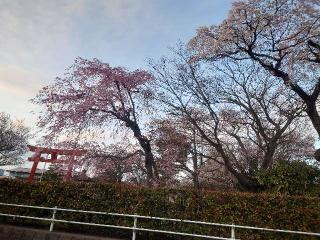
233, 232
134, 232
53, 218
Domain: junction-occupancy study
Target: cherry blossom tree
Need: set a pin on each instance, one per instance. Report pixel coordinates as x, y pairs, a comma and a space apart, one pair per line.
282, 36
235, 108
179, 146
314, 51
96, 93
13, 140
114, 163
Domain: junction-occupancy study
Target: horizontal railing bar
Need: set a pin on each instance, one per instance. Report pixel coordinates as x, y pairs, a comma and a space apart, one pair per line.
22, 216
115, 226
66, 221
184, 221
93, 224
166, 219
26, 206
277, 230
142, 229
94, 212
68, 210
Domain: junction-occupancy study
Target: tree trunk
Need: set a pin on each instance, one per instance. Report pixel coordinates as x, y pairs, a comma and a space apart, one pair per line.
195, 180
195, 174
309, 100
313, 114
245, 182
144, 143
149, 162
268, 156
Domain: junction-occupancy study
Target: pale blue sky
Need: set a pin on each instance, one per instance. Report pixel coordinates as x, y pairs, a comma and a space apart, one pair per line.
40, 38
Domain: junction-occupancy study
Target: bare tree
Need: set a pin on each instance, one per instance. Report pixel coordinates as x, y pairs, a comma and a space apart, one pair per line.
233, 108
282, 36
180, 147
260, 113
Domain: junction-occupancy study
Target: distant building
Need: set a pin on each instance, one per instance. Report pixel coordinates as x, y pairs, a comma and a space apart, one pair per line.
23, 173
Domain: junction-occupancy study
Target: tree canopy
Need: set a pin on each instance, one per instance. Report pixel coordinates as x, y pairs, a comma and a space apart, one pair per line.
282, 36
238, 100
13, 140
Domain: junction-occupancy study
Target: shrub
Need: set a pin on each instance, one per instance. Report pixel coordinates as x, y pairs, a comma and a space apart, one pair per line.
261, 210
291, 177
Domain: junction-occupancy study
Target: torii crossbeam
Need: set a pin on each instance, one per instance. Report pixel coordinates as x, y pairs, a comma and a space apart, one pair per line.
53, 152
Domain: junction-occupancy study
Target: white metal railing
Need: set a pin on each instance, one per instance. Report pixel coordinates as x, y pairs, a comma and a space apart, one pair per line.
135, 227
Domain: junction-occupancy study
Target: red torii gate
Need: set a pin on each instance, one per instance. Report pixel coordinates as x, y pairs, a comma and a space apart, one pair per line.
36, 158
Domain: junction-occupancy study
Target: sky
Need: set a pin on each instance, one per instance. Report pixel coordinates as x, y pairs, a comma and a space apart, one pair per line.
39, 39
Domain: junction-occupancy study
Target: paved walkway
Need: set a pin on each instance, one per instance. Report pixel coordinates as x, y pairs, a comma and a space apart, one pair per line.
9, 232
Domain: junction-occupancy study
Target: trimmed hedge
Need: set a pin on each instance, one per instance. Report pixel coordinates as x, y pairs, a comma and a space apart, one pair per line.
261, 210
291, 177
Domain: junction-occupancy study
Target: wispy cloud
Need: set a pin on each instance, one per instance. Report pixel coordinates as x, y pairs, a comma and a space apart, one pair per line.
40, 38
33, 31
19, 82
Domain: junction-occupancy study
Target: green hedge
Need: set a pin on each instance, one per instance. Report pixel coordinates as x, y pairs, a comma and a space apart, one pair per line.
261, 210
291, 177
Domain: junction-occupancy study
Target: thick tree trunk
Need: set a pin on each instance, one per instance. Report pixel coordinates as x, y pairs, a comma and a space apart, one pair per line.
245, 181
195, 180
144, 143
268, 156
314, 116
149, 161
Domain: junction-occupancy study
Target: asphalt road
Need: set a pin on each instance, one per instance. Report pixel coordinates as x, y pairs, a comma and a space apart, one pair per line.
9, 232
